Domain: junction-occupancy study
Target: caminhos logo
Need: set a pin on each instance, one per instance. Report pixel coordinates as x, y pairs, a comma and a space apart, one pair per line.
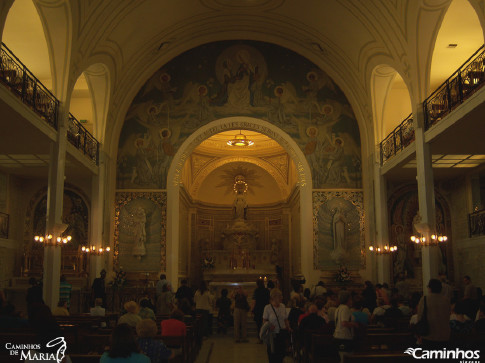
31, 351
464, 356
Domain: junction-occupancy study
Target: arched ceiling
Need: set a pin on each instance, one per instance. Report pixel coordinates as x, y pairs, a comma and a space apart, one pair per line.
210, 170
347, 39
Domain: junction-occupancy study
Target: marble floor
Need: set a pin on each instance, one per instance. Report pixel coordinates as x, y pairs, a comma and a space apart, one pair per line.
223, 349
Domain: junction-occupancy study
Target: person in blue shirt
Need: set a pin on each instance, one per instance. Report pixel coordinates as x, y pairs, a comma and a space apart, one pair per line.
123, 347
153, 348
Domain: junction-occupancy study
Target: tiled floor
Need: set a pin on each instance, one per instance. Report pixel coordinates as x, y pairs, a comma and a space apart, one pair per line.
223, 349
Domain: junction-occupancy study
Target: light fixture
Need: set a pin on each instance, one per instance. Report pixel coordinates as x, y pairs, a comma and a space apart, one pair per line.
240, 140
383, 250
93, 250
49, 240
434, 240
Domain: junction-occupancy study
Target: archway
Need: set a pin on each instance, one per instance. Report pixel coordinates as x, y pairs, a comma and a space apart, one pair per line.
252, 124
391, 101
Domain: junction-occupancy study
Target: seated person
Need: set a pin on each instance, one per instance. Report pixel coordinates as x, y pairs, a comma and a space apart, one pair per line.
61, 309
131, 317
295, 314
175, 325
359, 315
379, 311
393, 311
146, 330
460, 323
123, 347
312, 322
480, 319
405, 308
145, 311
98, 310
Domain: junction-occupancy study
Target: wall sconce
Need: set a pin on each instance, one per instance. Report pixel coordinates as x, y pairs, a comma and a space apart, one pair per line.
384, 250
433, 241
93, 250
49, 240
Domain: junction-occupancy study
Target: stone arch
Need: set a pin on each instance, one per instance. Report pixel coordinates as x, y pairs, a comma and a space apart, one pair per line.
92, 87
461, 25
391, 100
227, 124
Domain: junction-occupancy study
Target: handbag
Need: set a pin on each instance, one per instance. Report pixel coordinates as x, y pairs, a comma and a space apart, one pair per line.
422, 326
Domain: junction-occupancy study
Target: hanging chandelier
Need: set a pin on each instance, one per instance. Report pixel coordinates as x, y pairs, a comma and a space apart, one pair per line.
240, 140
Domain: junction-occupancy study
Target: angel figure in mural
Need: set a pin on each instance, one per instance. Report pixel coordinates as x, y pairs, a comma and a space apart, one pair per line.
339, 224
138, 228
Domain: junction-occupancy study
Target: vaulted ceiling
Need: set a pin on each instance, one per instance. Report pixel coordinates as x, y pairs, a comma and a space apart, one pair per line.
347, 39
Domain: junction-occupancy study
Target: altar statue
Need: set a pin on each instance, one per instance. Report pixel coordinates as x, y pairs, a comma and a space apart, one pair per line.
339, 222
139, 220
240, 206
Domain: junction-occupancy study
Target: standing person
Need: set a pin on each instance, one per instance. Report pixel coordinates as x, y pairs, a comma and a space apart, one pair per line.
470, 297
275, 314
99, 288
98, 310
203, 305
370, 296
123, 347
224, 316
261, 299
446, 289
344, 325
34, 294
320, 289
165, 301
184, 292
241, 308
160, 284
65, 289
438, 315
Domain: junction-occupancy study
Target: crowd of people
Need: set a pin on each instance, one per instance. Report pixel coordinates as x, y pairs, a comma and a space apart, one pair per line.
451, 316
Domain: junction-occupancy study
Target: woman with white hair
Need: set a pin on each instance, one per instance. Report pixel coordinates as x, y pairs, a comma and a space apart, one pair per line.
131, 317
275, 315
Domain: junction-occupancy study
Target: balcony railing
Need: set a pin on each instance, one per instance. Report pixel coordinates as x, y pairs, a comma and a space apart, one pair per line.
82, 139
398, 139
462, 84
15, 75
476, 223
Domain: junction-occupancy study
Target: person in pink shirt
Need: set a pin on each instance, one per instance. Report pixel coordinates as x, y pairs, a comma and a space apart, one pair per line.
175, 325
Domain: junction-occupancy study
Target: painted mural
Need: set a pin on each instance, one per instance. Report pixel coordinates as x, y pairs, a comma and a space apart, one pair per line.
243, 78
140, 227
403, 209
75, 214
338, 227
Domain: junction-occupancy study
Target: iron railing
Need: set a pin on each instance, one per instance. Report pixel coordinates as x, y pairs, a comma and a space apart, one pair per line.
15, 75
457, 88
476, 223
78, 136
398, 139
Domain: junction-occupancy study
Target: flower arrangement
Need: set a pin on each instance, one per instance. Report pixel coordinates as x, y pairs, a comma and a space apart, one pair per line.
208, 263
120, 279
343, 275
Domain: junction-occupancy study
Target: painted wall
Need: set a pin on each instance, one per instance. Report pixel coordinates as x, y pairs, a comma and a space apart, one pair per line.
247, 78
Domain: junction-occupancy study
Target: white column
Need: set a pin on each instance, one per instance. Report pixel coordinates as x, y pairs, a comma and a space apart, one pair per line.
382, 230
55, 195
96, 263
426, 198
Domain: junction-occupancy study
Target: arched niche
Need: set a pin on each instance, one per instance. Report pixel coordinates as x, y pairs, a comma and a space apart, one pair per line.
24, 35
90, 99
461, 27
391, 101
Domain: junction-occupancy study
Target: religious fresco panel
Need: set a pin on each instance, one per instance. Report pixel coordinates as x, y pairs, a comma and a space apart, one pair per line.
239, 78
140, 231
338, 230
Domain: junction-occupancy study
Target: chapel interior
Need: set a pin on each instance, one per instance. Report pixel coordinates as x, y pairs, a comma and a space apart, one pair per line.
357, 132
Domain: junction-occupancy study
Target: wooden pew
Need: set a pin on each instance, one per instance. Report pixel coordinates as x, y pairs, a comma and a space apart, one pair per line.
378, 357
393, 342
85, 358
323, 349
